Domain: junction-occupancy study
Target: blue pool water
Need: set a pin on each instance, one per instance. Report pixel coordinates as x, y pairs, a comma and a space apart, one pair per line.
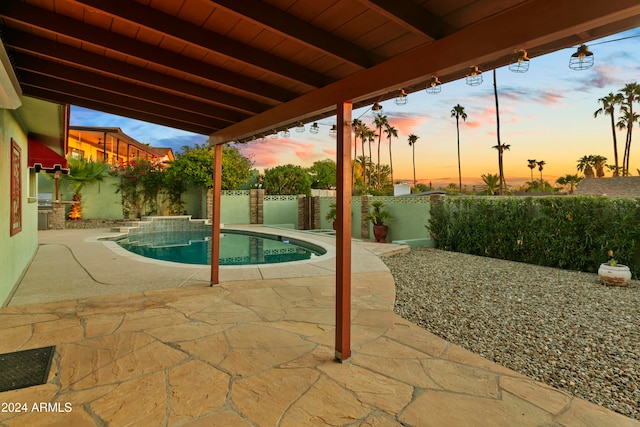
236, 247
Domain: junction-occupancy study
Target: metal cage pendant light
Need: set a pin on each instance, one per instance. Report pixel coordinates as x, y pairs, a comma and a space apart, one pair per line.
402, 98
582, 59
519, 62
376, 107
314, 128
474, 78
300, 127
333, 131
434, 86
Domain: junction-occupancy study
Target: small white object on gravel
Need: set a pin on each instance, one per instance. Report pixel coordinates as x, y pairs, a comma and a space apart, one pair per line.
556, 326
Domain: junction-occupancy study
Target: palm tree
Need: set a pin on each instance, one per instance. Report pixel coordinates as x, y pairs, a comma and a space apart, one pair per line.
570, 180
501, 149
609, 103
380, 121
598, 162
83, 172
371, 137
458, 112
631, 94
412, 143
532, 165
492, 182
585, 165
391, 132
541, 164
357, 128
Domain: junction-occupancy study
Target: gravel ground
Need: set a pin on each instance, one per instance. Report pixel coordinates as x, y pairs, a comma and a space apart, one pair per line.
556, 326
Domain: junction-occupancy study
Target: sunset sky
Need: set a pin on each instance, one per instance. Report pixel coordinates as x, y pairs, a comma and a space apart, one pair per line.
545, 114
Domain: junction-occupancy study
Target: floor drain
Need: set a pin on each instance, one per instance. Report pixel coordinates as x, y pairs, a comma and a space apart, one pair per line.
25, 368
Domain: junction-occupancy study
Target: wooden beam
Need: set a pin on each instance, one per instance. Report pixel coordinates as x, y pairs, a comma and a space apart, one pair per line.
41, 47
63, 26
234, 50
343, 234
304, 32
413, 17
526, 26
215, 215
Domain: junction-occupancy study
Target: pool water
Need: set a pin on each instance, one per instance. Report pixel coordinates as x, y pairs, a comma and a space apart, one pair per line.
236, 247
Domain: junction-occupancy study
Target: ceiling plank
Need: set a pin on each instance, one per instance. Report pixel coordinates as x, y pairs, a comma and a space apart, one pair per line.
87, 92
413, 17
447, 55
88, 78
68, 27
33, 45
62, 98
278, 20
171, 26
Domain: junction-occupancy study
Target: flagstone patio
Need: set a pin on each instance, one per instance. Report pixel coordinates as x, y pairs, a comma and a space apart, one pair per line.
255, 352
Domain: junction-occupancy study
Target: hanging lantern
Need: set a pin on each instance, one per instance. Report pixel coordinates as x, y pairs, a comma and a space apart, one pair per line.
402, 98
274, 134
376, 107
286, 133
314, 128
474, 78
582, 59
519, 62
333, 131
434, 86
300, 127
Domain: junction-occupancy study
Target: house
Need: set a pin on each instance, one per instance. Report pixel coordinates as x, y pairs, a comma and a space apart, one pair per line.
111, 145
32, 139
622, 186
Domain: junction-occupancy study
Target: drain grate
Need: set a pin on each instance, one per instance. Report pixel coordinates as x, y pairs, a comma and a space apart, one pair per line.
25, 368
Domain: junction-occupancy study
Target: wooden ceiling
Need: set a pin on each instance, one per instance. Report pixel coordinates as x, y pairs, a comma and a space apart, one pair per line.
236, 68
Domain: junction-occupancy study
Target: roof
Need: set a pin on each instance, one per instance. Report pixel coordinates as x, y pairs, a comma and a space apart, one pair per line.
232, 69
622, 186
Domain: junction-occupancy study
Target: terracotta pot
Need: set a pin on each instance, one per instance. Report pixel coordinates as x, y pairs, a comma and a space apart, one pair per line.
380, 233
614, 275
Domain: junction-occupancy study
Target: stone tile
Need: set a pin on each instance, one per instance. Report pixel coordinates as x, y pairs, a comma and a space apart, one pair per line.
78, 361
319, 356
380, 420
251, 360
224, 418
119, 343
324, 316
377, 390
301, 328
415, 337
227, 313
149, 408
326, 404
383, 319
408, 371
196, 389
212, 348
76, 417
185, 331
438, 408
360, 335
15, 338
153, 319
389, 348
12, 320
461, 378
459, 354
56, 332
541, 395
584, 414
196, 303
113, 304
102, 324
30, 396
265, 397
151, 358
79, 397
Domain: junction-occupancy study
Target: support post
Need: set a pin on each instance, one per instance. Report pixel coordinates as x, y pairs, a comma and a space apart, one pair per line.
215, 215
343, 234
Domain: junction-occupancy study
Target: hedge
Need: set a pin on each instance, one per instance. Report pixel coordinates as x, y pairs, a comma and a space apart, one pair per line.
572, 233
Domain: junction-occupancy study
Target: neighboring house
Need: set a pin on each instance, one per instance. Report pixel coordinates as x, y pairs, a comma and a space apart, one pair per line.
111, 145
32, 139
627, 186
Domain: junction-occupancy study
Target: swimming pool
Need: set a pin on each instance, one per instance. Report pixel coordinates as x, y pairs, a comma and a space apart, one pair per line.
237, 247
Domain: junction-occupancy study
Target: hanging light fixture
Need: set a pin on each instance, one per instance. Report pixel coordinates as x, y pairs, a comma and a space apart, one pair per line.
286, 133
376, 106
434, 86
402, 98
474, 78
582, 59
314, 128
519, 61
300, 127
333, 131
274, 134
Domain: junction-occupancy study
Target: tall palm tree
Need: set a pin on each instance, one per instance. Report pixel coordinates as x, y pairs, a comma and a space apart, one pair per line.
598, 162
631, 93
391, 133
380, 121
532, 165
458, 112
609, 104
541, 164
363, 131
501, 149
357, 128
585, 166
412, 143
499, 146
371, 137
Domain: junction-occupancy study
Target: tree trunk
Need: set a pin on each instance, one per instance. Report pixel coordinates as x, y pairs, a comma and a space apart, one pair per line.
415, 183
500, 167
615, 144
391, 163
459, 169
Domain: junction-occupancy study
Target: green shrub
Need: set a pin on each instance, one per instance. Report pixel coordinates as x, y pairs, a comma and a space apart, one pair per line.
566, 232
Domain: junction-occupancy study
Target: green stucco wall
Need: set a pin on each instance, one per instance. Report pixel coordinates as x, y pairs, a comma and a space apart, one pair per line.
15, 251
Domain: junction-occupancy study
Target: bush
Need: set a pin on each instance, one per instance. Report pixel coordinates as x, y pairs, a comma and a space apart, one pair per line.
566, 232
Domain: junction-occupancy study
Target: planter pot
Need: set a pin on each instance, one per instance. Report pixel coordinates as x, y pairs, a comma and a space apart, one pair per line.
380, 233
614, 275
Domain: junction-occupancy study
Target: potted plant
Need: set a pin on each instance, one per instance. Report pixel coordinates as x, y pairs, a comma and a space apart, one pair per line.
377, 217
613, 274
331, 214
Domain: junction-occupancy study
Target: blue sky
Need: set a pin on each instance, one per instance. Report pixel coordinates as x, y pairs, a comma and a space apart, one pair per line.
545, 114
